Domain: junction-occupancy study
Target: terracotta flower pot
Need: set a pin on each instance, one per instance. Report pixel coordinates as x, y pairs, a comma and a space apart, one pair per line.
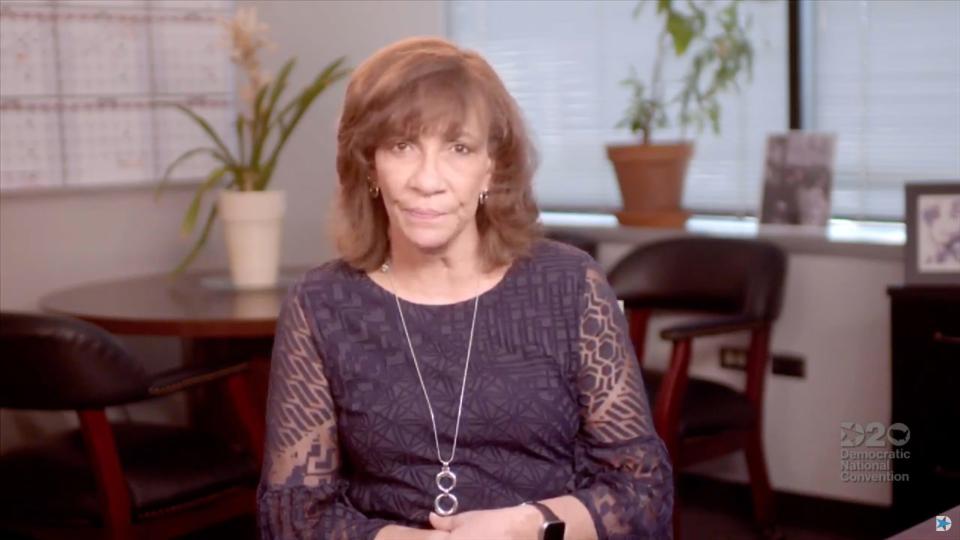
651, 182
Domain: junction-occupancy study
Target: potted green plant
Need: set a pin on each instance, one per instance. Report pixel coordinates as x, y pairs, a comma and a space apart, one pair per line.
713, 35
251, 213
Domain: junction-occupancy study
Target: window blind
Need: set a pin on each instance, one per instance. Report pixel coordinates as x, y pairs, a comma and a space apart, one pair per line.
563, 62
885, 77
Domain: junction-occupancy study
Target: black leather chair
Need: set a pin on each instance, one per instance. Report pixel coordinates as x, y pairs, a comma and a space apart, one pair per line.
738, 286
121, 480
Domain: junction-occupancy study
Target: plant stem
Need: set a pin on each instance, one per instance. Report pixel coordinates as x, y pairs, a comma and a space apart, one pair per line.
248, 179
656, 81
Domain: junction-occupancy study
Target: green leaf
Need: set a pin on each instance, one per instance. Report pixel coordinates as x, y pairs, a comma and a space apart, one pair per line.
728, 17
258, 102
279, 85
198, 245
681, 30
210, 131
260, 129
190, 219
265, 120
328, 76
239, 125
664, 6
714, 115
331, 72
183, 157
638, 8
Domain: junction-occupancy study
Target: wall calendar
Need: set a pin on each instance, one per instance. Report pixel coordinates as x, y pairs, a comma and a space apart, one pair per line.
86, 88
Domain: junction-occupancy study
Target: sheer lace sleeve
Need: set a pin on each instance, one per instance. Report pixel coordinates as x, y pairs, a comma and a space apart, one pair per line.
301, 493
625, 473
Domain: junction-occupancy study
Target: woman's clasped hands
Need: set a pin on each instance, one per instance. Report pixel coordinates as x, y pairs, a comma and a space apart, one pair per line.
514, 523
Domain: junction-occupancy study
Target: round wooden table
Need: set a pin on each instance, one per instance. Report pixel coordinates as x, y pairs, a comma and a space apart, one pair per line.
193, 305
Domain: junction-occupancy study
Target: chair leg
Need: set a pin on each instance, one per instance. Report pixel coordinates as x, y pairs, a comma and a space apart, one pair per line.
759, 482
638, 321
669, 400
249, 414
666, 415
111, 483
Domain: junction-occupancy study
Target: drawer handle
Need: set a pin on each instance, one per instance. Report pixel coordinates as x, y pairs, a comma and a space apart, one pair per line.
940, 337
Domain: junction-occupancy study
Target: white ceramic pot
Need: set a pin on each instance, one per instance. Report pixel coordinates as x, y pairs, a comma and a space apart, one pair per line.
252, 223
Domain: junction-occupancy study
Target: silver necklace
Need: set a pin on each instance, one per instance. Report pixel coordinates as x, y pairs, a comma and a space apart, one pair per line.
446, 479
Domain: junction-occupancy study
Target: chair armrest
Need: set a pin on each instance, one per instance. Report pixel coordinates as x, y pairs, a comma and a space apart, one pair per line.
179, 379
710, 327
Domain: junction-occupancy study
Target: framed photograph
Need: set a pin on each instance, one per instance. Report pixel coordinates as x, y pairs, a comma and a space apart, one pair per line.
797, 179
932, 216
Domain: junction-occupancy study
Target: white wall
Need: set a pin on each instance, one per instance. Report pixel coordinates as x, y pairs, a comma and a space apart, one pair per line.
836, 308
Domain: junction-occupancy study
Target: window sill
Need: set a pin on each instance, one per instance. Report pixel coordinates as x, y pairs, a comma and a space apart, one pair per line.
843, 237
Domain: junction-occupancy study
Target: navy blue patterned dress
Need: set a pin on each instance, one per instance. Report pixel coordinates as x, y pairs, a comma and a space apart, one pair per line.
554, 404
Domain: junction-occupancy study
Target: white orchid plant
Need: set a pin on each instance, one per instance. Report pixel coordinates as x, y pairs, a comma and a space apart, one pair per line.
261, 128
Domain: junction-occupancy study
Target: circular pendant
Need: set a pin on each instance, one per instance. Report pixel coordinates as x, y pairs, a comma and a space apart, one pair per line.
446, 476
439, 501
446, 481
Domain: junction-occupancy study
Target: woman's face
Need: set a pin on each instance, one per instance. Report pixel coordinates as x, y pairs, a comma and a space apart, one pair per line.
431, 185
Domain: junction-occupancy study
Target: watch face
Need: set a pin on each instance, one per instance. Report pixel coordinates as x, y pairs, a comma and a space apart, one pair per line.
554, 530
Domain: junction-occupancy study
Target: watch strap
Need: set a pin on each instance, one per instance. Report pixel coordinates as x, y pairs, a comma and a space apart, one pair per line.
548, 515
552, 527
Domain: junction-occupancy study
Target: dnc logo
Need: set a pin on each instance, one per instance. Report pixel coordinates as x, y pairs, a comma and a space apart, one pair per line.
943, 523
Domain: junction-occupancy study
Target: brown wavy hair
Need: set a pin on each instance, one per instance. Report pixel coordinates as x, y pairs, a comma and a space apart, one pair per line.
420, 85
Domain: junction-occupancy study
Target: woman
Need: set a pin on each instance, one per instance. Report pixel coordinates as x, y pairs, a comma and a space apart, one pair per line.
452, 365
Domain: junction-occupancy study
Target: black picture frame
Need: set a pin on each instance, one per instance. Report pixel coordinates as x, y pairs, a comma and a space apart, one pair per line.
917, 267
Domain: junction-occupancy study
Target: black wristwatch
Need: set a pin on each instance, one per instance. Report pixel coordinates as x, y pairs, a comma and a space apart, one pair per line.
551, 528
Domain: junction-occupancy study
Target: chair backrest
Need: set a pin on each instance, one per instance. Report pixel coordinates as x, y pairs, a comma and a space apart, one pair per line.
718, 275
53, 362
